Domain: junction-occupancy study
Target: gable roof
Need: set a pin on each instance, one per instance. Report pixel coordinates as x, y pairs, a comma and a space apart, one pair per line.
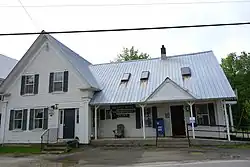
168, 90
80, 64
6, 65
208, 80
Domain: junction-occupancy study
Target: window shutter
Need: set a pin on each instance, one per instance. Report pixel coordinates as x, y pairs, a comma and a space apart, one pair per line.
65, 81
22, 85
102, 114
45, 121
138, 118
51, 79
211, 113
24, 126
154, 116
31, 119
11, 119
36, 84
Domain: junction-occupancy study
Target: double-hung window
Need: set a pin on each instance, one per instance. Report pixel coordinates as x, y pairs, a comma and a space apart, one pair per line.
29, 84
58, 82
18, 119
148, 117
205, 114
38, 118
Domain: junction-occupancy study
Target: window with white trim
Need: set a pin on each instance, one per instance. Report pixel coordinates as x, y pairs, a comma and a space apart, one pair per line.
58, 82
38, 118
205, 114
18, 119
29, 84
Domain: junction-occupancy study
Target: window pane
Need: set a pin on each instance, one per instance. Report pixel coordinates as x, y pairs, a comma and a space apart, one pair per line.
39, 113
38, 123
29, 79
58, 76
148, 117
18, 114
17, 124
201, 109
205, 120
29, 89
108, 114
58, 86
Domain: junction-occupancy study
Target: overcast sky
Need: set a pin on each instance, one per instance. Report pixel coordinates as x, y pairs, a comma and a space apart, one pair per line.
103, 47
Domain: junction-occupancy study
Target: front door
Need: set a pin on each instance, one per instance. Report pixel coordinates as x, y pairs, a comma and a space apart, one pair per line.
178, 122
69, 124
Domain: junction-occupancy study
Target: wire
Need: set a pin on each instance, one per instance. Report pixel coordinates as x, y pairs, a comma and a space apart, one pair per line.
33, 22
126, 29
127, 4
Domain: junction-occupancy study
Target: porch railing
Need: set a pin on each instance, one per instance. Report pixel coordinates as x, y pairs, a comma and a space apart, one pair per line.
220, 132
49, 136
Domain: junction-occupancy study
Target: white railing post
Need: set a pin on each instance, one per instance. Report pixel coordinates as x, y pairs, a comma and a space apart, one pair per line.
227, 122
96, 107
143, 121
192, 115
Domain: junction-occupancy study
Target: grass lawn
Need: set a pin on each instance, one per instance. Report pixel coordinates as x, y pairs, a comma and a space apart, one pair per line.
241, 146
20, 149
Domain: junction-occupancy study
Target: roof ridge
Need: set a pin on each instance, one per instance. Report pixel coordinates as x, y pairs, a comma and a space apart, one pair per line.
139, 60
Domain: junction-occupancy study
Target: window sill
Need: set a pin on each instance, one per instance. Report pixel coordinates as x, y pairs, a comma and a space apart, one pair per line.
28, 94
17, 130
57, 92
37, 130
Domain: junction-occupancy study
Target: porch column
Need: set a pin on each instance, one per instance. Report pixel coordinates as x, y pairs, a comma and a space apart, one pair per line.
143, 121
227, 123
231, 117
192, 115
96, 107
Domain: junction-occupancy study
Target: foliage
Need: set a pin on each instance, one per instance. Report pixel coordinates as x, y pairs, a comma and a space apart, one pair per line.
131, 54
237, 70
20, 149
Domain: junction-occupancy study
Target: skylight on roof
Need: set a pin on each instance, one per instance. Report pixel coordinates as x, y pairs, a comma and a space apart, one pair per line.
186, 71
144, 75
125, 77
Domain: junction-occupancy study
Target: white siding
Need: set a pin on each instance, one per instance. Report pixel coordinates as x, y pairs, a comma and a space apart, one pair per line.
170, 92
47, 60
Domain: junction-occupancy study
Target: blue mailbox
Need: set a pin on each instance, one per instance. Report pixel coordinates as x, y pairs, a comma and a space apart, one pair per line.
160, 129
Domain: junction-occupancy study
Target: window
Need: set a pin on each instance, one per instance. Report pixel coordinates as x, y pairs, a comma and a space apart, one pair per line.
29, 84
18, 119
58, 82
148, 117
144, 75
38, 118
205, 114
105, 114
125, 77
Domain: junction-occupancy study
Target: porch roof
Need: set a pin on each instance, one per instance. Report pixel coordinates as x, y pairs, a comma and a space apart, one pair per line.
207, 81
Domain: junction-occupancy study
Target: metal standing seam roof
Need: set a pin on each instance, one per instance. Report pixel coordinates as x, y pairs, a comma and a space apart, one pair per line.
81, 64
6, 65
208, 80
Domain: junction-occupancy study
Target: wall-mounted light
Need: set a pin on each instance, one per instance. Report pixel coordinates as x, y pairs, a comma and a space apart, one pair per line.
52, 108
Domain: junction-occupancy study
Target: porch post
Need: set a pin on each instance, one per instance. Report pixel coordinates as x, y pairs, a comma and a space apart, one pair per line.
227, 123
192, 115
143, 121
231, 117
96, 107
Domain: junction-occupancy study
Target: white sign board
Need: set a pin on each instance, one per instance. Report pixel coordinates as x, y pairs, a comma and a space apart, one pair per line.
192, 119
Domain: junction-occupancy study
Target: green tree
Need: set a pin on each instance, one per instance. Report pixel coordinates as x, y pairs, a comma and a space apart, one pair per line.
237, 70
131, 54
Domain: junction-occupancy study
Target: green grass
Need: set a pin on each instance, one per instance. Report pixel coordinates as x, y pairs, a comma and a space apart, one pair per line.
241, 146
20, 149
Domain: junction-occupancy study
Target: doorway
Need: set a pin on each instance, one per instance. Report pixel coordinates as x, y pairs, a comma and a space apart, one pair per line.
69, 124
178, 122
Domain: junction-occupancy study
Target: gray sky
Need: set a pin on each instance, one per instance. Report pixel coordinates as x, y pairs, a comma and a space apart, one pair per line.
103, 47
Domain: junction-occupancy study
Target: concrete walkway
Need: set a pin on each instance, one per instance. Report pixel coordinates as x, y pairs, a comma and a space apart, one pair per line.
127, 157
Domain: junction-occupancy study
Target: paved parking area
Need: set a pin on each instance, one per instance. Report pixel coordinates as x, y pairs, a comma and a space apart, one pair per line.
125, 157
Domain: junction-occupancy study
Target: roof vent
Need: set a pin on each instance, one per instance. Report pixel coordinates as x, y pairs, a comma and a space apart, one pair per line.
125, 77
144, 75
186, 72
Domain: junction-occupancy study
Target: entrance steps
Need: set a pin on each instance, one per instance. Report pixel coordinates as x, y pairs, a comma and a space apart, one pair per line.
139, 142
61, 146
